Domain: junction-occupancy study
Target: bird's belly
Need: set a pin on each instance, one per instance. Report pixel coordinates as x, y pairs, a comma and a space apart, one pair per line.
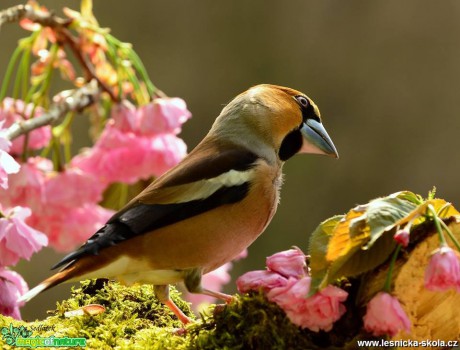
129, 271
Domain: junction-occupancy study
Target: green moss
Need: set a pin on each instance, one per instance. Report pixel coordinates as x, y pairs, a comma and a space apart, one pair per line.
131, 314
134, 319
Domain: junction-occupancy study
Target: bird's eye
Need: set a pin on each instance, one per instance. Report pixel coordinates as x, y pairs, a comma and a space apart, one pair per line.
303, 101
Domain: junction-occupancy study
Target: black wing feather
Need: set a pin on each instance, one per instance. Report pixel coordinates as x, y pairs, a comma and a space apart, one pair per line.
143, 218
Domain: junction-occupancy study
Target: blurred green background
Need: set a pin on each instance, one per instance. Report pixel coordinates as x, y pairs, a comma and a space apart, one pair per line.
385, 74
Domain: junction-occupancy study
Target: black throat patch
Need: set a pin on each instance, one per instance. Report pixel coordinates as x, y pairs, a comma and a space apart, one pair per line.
291, 144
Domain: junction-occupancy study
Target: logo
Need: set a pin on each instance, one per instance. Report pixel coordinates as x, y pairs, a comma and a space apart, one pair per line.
22, 336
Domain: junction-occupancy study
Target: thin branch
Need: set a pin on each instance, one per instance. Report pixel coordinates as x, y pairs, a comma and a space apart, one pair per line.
59, 25
64, 102
84, 62
47, 19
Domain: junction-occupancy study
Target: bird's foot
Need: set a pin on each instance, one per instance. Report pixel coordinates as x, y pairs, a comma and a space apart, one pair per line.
178, 312
221, 296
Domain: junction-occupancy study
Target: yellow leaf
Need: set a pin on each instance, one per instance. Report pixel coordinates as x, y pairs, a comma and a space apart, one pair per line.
342, 241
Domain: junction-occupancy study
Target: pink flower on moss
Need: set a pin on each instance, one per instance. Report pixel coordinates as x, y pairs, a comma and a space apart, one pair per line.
18, 239
259, 280
13, 111
294, 290
324, 308
163, 115
12, 286
318, 312
70, 228
443, 271
385, 315
289, 263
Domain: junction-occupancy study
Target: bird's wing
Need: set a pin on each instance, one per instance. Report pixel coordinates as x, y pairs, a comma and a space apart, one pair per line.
200, 183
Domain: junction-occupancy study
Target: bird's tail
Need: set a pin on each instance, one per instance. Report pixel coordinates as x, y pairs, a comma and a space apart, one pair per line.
57, 278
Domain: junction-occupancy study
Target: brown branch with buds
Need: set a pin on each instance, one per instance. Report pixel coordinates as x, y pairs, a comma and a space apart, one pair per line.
46, 19
65, 101
59, 25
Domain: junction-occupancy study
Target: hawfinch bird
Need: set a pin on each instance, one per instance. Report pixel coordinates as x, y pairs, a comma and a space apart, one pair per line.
212, 205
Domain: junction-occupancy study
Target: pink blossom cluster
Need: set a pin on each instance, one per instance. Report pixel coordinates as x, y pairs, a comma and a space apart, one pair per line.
17, 238
135, 144
286, 282
64, 204
16, 111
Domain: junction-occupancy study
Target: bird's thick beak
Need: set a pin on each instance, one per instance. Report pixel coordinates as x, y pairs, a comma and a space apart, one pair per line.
316, 139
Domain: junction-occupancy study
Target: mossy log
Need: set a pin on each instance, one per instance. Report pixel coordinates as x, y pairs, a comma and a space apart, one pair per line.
133, 318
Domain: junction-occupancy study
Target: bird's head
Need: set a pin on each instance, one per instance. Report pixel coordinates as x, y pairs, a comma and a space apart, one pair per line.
275, 119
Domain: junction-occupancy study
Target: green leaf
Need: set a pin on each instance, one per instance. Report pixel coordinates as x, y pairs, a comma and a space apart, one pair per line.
363, 239
383, 213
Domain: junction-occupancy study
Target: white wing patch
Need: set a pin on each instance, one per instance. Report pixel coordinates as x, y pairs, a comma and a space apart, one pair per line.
204, 188
233, 178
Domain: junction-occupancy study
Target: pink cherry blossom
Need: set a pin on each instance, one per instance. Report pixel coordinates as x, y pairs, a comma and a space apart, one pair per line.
384, 315
318, 312
289, 263
116, 157
443, 271
324, 308
262, 279
63, 203
125, 117
17, 239
163, 152
71, 188
402, 237
13, 111
12, 286
26, 188
72, 227
7, 166
125, 157
163, 115
7, 163
285, 293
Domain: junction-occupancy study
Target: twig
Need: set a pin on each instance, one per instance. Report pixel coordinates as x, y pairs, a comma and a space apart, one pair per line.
64, 102
84, 62
59, 25
47, 19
